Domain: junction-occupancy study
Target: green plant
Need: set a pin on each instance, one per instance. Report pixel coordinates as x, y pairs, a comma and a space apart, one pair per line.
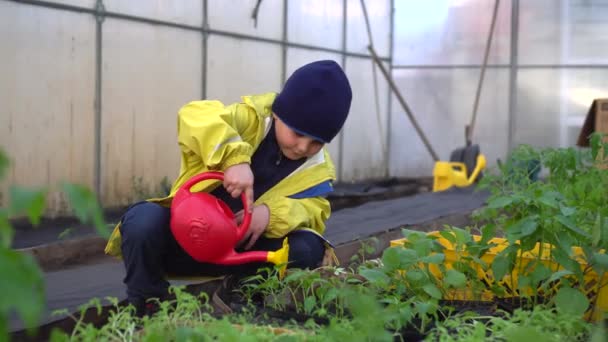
539, 324
22, 287
408, 286
315, 293
548, 218
368, 247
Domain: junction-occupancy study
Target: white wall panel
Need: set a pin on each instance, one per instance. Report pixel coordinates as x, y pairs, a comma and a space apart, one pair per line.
569, 32
235, 16
539, 36
188, 12
149, 72
240, 67
379, 12
316, 22
451, 32
364, 135
552, 104
442, 103
299, 57
46, 95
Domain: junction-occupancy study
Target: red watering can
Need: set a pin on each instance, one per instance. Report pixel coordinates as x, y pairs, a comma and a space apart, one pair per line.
206, 229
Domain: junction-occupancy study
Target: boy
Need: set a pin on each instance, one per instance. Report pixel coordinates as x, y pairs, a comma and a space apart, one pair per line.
271, 148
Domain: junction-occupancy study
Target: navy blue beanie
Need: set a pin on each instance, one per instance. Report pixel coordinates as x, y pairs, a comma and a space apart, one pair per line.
315, 100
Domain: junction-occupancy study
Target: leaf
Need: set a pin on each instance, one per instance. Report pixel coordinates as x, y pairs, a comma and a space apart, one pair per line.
500, 202
30, 202
500, 267
601, 262
597, 230
540, 273
518, 333
571, 301
565, 261
567, 211
528, 226
455, 278
487, 233
548, 199
390, 258
568, 223
595, 142
423, 247
436, 258
432, 291
65, 233
410, 234
599, 334
6, 230
295, 277
330, 295
460, 235
414, 276
563, 241
448, 235
85, 206
309, 304
22, 287
59, 336
556, 276
523, 282
3, 163
375, 276
405, 313
425, 308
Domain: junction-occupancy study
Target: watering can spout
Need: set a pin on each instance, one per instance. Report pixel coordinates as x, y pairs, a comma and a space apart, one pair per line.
480, 165
278, 257
448, 174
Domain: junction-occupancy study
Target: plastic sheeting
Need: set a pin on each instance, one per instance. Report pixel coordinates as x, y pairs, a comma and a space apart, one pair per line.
379, 13
316, 22
149, 72
237, 67
236, 17
450, 32
189, 12
46, 96
364, 134
442, 103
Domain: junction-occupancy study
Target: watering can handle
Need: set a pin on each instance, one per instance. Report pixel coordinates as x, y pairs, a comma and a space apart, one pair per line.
242, 229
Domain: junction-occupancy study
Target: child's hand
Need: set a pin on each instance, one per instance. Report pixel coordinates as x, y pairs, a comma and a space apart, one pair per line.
239, 178
259, 221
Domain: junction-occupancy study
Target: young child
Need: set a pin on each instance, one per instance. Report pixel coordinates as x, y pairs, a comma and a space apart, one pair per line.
271, 147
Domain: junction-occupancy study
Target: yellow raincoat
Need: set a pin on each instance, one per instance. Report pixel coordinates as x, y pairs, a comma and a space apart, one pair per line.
212, 136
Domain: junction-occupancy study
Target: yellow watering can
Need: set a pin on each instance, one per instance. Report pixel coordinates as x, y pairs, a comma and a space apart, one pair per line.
448, 174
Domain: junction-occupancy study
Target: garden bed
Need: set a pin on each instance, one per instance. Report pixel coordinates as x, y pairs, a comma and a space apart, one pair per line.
535, 287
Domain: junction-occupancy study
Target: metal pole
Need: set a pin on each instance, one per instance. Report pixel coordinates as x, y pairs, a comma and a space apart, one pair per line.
134, 18
204, 52
389, 114
404, 105
341, 137
99, 18
513, 72
471, 127
375, 79
284, 43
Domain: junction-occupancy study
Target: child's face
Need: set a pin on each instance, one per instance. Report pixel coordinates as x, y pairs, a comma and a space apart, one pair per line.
294, 145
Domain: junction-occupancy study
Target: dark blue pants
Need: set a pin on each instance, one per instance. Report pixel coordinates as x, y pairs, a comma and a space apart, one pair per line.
150, 252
